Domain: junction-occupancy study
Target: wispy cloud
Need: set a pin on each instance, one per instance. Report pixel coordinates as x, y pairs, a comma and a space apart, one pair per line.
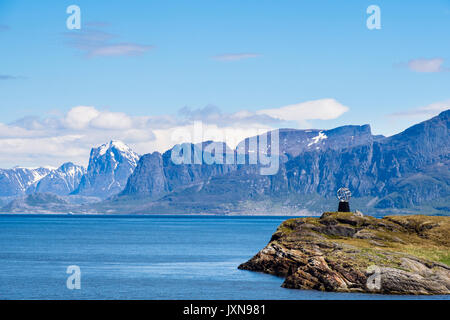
97, 24
9, 77
98, 43
6, 77
120, 49
427, 65
236, 56
424, 112
213, 115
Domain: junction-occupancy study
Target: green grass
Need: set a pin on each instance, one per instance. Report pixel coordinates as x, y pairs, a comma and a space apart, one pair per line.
426, 237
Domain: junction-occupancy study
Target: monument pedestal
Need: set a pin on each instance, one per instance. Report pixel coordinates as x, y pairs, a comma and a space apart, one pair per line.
344, 206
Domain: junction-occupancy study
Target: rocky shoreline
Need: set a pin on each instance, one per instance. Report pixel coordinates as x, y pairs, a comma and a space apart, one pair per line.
349, 252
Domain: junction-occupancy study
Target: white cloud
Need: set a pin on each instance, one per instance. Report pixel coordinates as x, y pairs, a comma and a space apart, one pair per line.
323, 109
112, 121
235, 56
80, 117
98, 43
8, 131
58, 138
427, 65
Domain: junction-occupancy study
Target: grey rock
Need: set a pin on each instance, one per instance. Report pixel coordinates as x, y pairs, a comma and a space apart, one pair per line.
157, 175
110, 166
396, 281
359, 213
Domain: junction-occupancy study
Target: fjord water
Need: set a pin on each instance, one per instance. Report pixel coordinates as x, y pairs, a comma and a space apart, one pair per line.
142, 257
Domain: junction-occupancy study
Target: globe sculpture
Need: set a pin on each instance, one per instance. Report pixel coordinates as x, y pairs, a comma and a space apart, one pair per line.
344, 196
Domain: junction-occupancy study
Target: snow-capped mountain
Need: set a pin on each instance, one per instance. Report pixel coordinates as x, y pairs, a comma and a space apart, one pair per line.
110, 165
61, 181
14, 182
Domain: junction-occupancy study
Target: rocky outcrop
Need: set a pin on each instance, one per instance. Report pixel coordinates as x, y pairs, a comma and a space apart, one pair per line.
344, 252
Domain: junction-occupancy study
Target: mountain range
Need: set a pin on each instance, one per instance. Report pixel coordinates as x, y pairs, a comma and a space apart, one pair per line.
405, 173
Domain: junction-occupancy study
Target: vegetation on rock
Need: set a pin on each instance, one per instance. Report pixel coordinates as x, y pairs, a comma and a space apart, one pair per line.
346, 252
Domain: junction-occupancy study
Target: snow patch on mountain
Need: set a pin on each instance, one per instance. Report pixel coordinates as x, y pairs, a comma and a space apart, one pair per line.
119, 146
316, 139
14, 182
61, 181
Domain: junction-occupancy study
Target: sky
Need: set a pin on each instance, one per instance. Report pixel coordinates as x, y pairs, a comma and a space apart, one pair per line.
139, 71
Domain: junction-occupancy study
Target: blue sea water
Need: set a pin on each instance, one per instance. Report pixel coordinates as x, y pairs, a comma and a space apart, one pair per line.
142, 257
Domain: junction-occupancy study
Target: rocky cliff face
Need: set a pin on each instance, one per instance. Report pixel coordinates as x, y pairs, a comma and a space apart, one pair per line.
346, 252
382, 168
110, 165
407, 170
294, 142
157, 175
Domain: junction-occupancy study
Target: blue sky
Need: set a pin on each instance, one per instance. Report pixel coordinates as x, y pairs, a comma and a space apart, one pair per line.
145, 59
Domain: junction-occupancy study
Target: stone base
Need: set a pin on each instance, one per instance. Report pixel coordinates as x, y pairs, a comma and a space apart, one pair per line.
344, 206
